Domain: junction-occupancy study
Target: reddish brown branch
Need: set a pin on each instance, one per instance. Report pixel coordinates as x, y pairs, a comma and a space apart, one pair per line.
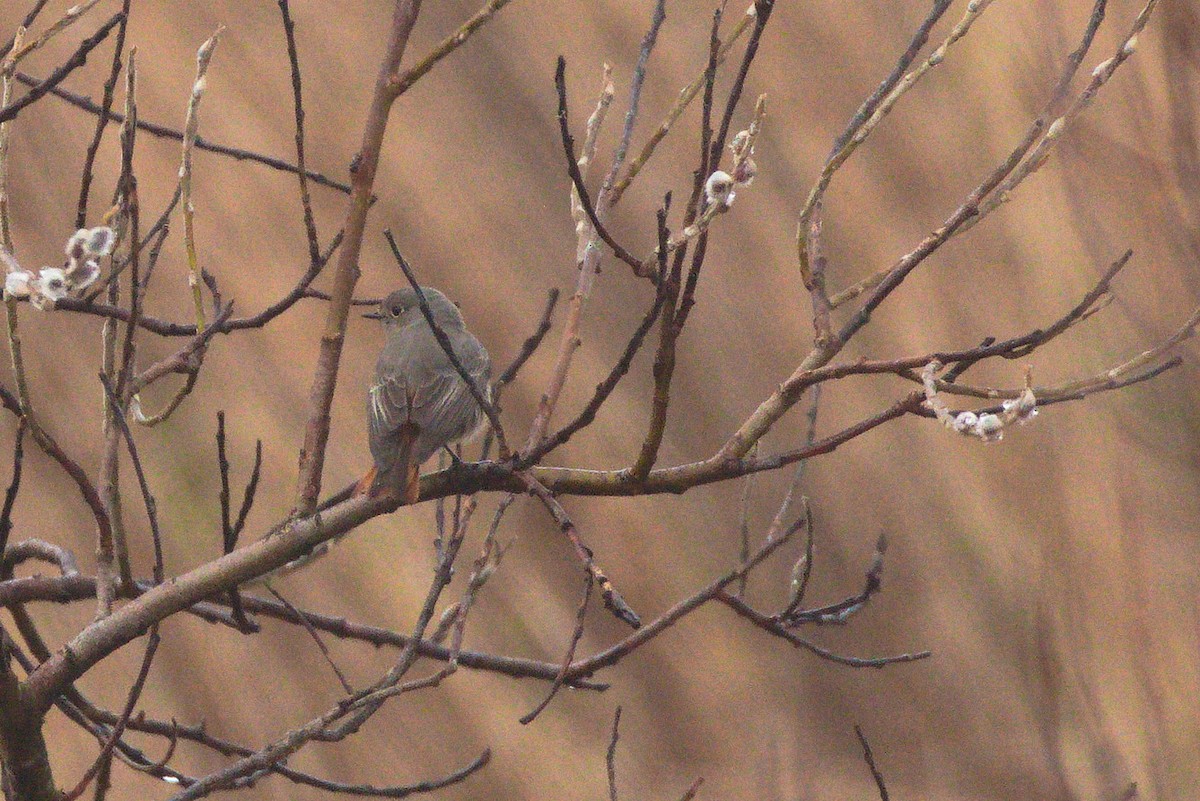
366, 163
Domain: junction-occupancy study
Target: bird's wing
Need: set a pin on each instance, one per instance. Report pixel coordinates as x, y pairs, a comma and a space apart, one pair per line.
430, 396
445, 411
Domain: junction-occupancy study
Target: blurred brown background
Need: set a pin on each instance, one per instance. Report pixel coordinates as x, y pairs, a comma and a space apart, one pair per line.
1053, 575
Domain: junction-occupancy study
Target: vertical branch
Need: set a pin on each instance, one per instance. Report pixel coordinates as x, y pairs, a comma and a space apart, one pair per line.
102, 119
686, 96
230, 530
191, 126
664, 359
346, 273
310, 225
610, 757
7, 67
657, 17
47, 442
587, 255
118, 376
10, 495
22, 746
589, 235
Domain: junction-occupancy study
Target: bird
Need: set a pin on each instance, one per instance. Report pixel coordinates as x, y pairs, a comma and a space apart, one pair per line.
418, 402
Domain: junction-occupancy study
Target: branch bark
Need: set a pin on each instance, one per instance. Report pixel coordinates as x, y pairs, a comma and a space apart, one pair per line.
387, 88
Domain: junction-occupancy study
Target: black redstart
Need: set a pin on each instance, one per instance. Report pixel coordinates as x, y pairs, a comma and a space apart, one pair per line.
418, 402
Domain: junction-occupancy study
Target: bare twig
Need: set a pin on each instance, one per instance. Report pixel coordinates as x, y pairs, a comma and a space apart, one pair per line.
610, 756
106, 101
686, 96
131, 700
449, 44
73, 63
312, 632
615, 653
612, 599
191, 126
691, 791
30, 18
310, 225
870, 760
768, 624
230, 530
529, 346
166, 132
143, 484
14, 486
605, 388
569, 655
581, 192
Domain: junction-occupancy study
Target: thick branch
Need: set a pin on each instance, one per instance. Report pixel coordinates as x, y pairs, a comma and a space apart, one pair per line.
366, 163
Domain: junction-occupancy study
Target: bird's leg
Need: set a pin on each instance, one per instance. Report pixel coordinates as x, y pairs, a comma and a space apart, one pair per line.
412, 486
366, 482
456, 461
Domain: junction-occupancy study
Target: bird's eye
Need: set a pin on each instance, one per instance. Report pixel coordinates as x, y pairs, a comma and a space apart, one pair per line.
397, 310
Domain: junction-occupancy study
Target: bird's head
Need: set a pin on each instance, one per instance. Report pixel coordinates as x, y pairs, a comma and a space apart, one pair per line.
402, 308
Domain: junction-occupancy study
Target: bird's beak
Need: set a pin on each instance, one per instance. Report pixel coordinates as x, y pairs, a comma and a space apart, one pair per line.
374, 315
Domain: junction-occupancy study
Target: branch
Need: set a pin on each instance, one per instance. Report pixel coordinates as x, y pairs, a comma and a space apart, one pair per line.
449, 44
568, 141
166, 132
766, 623
366, 163
870, 760
77, 60
310, 225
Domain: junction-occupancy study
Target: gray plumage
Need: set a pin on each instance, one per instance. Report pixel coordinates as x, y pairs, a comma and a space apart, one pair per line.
419, 402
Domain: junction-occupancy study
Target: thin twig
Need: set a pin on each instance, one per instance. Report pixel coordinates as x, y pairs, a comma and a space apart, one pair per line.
310, 225
585, 200
615, 653
870, 760
449, 44
106, 101
14, 486
312, 632
691, 791
135, 692
657, 17
191, 126
143, 484
686, 96
610, 756
27, 23
229, 530
166, 132
766, 623
529, 346
606, 387
477, 393
569, 654
77, 60
613, 601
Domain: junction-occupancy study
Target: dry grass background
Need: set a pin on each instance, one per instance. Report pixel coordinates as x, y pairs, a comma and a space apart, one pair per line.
1052, 575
